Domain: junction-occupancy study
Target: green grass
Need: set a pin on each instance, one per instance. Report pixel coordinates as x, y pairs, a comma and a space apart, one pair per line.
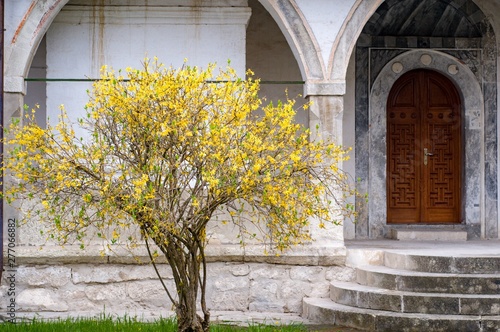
108, 324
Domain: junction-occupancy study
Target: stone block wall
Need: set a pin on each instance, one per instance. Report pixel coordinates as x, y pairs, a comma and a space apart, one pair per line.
61, 286
79, 289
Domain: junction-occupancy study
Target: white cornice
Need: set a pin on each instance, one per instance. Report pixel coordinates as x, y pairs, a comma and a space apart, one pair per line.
154, 15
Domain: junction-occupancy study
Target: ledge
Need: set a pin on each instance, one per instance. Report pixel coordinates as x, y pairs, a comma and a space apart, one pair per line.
53, 254
14, 84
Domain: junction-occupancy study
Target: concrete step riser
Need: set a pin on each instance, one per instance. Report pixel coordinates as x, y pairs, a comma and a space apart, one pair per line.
369, 320
415, 303
456, 284
442, 264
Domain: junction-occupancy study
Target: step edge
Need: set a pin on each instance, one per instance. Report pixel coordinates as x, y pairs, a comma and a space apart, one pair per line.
329, 304
402, 272
414, 302
382, 291
447, 264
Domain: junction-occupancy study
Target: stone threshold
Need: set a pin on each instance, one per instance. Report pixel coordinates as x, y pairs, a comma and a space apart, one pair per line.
444, 232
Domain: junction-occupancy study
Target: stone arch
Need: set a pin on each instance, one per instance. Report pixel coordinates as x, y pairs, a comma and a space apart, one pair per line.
41, 14
26, 40
494, 20
360, 14
348, 36
298, 34
473, 115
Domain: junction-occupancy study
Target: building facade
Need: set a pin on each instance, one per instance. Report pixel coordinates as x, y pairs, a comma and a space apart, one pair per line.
410, 85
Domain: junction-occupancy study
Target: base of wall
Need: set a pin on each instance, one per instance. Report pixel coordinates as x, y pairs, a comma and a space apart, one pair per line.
55, 283
240, 318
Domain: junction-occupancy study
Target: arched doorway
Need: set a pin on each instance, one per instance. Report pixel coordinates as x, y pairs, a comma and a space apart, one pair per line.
400, 36
424, 149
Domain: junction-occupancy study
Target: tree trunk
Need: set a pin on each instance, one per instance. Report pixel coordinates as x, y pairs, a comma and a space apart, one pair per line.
187, 318
189, 322
187, 260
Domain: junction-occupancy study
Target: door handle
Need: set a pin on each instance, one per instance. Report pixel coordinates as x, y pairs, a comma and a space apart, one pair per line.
426, 154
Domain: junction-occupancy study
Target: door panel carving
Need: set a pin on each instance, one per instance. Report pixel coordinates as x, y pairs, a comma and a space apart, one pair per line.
403, 179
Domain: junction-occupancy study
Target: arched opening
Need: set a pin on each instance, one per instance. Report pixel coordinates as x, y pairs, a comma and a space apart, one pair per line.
270, 57
83, 37
266, 50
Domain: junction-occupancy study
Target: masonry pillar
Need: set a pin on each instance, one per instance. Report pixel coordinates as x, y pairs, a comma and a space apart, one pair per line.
13, 106
326, 123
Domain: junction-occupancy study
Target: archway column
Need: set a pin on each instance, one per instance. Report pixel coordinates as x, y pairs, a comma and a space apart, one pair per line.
325, 122
19, 52
13, 108
494, 7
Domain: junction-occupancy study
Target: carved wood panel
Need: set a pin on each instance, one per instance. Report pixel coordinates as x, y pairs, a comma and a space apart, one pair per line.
440, 168
423, 150
403, 179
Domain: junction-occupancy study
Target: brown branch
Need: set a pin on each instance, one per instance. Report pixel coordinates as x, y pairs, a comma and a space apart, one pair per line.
159, 275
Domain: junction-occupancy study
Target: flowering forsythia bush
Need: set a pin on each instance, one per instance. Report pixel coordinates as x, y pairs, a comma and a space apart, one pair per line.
167, 150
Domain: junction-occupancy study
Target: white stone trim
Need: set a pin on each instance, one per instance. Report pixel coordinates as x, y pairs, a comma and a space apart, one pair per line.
155, 15
348, 35
324, 89
297, 32
14, 84
311, 255
170, 3
29, 33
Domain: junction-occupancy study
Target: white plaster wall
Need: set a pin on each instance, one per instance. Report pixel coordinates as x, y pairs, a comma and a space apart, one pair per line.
36, 90
83, 38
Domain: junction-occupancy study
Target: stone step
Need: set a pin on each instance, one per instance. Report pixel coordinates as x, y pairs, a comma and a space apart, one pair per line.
428, 234
426, 262
325, 311
368, 297
425, 282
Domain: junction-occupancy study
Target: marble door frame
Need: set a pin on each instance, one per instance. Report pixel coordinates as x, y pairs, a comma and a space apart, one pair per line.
474, 133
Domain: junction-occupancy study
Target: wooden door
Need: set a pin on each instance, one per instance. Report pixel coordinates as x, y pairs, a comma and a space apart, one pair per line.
423, 150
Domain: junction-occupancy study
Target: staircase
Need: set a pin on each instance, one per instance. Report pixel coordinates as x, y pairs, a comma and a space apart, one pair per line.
416, 292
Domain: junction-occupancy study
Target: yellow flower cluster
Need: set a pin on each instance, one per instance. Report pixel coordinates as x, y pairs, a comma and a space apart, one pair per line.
166, 149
